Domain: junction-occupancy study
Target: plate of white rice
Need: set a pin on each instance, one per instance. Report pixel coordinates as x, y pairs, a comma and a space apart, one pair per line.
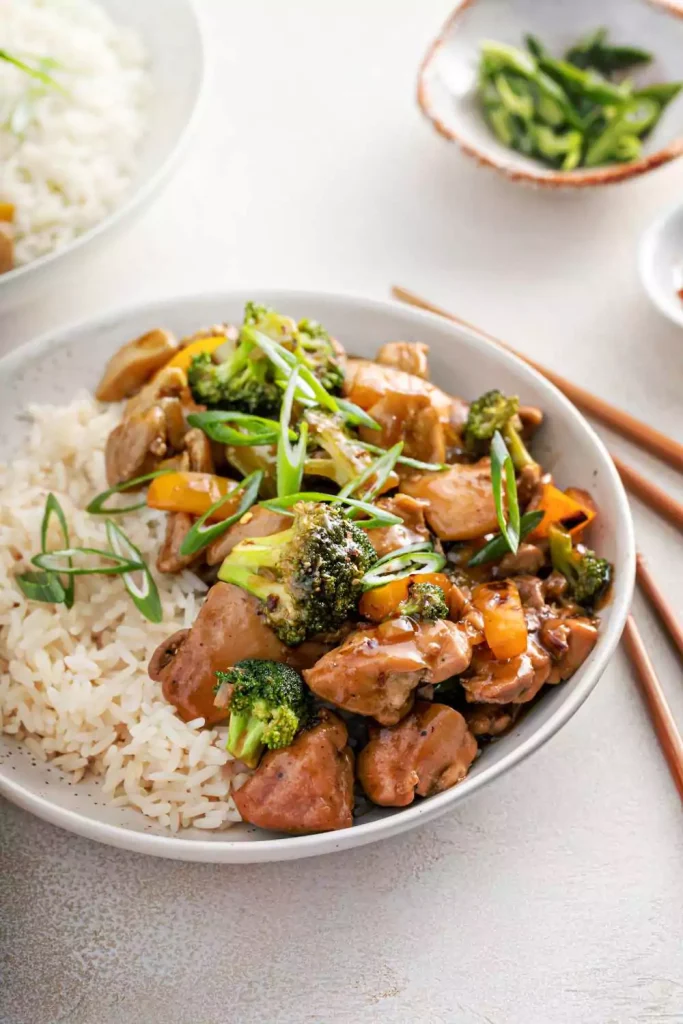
87, 740
89, 132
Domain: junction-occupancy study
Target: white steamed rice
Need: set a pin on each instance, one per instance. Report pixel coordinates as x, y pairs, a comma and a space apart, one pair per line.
67, 160
74, 683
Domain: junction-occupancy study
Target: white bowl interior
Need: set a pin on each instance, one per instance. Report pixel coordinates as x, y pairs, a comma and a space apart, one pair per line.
449, 78
661, 262
172, 37
54, 368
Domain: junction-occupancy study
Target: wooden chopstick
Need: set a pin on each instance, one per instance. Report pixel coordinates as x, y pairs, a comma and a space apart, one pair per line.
642, 434
663, 721
649, 493
659, 602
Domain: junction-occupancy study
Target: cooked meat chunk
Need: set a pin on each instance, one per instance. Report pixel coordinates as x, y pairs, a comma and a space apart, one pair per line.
409, 356
411, 419
514, 681
198, 448
531, 591
228, 629
376, 670
555, 586
257, 522
529, 486
306, 787
136, 446
430, 750
367, 383
133, 365
6, 247
527, 559
385, 539
169, 559
459, 500
490, 719
170, 382
569, 642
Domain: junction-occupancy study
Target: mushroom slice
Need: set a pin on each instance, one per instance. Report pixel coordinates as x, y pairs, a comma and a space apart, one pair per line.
133, 365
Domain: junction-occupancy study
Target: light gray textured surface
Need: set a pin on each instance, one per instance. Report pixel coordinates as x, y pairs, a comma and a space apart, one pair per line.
555, 896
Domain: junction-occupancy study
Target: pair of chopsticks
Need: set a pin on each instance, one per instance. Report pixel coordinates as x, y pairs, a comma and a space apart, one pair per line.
671, 452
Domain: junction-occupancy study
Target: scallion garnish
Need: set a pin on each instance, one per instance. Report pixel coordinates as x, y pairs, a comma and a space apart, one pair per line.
253, 430
404, 460
501, 465
290, 458
145, 596
50, 561
356, 416
498, 546
397, 566
52, 507
378, 516
378, 472
199, 536
96, 506
42, 586
286, 361
34, 72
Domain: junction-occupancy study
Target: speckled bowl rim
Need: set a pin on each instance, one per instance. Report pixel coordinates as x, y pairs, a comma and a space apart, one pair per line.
293, 847
547, 179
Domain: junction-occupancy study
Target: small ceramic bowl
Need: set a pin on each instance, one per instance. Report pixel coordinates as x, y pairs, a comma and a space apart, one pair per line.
660, 261
54, 368
447, 79
171, 33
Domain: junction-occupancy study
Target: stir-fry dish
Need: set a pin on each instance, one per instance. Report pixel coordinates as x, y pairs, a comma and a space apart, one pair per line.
390, 573
580, 110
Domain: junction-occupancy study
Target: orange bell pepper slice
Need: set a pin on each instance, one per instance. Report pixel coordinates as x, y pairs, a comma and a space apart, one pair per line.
504, 623
193, 493
383, 602
569, 509
7, 212
183, 358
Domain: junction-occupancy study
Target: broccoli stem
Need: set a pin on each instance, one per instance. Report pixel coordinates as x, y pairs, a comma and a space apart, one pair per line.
264, 553
520, 455
245, 737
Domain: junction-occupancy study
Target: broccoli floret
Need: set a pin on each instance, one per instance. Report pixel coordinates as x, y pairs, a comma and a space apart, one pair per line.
425, 601
269, 704
276, 326
240, 383
588, 575
342, 458
308, 576
494, 411
320, 354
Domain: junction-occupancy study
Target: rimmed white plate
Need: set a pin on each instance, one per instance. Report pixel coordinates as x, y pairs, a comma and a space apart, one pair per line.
55, 367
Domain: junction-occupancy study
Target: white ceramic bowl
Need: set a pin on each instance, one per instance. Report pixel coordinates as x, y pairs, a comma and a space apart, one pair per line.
660, 261
172, 36
53, 368
447, 78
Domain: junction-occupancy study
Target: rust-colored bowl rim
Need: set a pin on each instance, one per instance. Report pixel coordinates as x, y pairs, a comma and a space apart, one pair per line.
543, 177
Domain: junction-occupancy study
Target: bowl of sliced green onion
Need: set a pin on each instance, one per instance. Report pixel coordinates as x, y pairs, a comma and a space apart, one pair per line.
557, 94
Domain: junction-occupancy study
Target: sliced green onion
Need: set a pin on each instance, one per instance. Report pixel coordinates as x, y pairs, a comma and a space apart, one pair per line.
398, 567
36, 73
52, 507
42, 586
407, 549
200, 535
498, 546
285, 361
380, 470
353, 414
291, 459
96, 506
378, 516
146, 595
255, 430
501, 463
50, 561
403, 460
